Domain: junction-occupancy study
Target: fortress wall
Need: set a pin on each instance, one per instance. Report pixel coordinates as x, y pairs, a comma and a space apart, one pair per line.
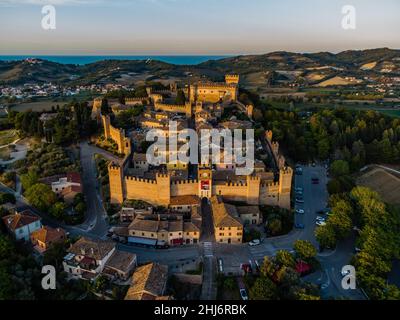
117, 135
213, 93
233, 192
142, 189
184, 188
269, 194
170, 107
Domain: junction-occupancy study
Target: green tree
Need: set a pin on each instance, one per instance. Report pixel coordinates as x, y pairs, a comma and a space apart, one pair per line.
305, 249
340, 168
58, 210
7, 197
285, 258
29, 179
326, 236
275, 226
41, 196
263, 289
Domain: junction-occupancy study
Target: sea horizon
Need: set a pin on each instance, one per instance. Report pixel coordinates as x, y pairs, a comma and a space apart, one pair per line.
87, 59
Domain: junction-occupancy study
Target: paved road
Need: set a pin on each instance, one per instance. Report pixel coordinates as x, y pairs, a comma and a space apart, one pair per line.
96, 218
207, 229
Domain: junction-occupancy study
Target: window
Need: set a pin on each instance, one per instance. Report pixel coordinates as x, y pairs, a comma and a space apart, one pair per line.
143, 234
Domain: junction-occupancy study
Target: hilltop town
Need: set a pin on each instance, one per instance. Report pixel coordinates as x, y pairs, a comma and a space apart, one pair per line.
78, 190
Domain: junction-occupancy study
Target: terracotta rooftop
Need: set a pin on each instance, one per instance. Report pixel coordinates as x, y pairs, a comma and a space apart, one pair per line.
96, 249
20, 219
74, 177
221, 216
185, 200
121, 260
148, 282
194, 226
144, 225
47, 234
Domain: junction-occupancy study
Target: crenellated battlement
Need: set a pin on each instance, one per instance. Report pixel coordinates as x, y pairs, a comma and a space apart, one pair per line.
114, 166
177, 182
232, 78
138, 179
235, 184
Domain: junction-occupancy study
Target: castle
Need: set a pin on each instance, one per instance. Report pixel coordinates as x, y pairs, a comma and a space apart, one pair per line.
161, 188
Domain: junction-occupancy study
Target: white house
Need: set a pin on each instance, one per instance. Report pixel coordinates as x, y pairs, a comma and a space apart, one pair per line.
87, 258
73, 179
22, 224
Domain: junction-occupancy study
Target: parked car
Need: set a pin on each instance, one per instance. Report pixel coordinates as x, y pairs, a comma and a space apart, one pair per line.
299, 211
315, 181
298, 189
299, 200
300, 193
220, 266
246, 267
254, 242
321, 223
299, 226
243, 294
321, 218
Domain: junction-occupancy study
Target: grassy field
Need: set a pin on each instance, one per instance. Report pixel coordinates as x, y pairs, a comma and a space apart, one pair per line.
309, 105
384, 183
7, 136
45, 104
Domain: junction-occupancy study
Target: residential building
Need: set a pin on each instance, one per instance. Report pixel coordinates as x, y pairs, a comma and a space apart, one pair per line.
87, 258
149, 282
45, 237
120, 265
72, 179
22, 224
227, 227
184, 203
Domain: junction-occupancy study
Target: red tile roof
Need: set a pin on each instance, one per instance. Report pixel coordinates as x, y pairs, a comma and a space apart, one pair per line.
18, 220
48, 235
74, 177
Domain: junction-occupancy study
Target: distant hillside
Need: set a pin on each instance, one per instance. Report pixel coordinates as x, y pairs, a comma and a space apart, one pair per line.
254, 69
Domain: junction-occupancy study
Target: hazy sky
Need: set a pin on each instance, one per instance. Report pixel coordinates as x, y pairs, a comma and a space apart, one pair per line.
195, 26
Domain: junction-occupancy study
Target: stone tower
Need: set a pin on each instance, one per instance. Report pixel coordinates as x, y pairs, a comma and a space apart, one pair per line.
285, 186
250, 110
253, 189
96, 109
106, 126
115, 174
232, 79
204, 174
164, 188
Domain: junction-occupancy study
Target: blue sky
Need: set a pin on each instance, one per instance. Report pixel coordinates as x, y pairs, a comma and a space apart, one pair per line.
217, 27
